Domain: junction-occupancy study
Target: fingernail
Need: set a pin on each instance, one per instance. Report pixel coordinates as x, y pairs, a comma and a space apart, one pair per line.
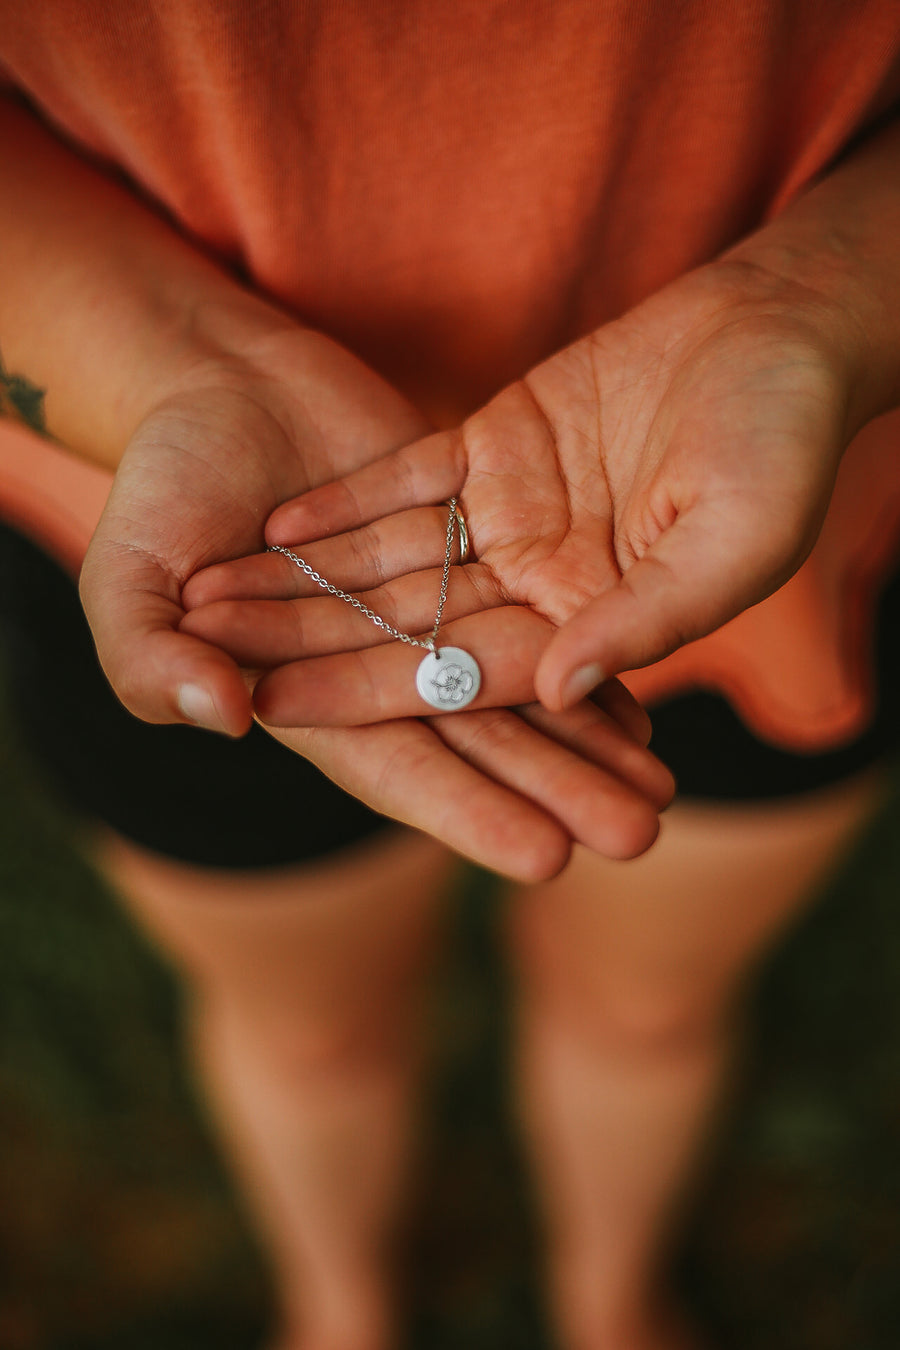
579, 685
196, 704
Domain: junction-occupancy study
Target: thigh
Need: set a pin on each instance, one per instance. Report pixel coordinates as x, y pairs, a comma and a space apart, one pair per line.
256, 875
324, 954
663, 942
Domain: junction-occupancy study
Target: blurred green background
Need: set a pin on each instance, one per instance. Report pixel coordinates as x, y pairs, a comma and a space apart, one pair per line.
119, 1230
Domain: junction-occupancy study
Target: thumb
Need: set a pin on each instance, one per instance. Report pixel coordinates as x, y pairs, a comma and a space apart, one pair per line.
699, 573
132, 603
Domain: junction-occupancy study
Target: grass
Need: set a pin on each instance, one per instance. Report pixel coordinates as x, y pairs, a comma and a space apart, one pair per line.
119, 1230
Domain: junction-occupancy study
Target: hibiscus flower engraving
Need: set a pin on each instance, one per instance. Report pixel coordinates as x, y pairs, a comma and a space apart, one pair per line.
452, 684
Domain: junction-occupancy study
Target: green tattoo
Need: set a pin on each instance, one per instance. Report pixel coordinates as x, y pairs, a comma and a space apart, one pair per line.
21, 400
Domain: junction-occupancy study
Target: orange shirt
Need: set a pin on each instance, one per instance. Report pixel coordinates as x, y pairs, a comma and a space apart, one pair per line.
457, 188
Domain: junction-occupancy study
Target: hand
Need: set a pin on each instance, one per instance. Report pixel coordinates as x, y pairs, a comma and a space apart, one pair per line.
232, 439
634, 492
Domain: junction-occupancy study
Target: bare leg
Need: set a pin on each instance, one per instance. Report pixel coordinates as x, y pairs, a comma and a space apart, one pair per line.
628, 981
307, 989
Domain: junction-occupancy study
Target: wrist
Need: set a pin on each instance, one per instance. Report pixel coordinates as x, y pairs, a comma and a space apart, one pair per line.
103, 305
213, 338
834, 254
835, 297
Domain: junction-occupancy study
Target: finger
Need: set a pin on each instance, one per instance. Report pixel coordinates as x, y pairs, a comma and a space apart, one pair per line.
160, 675
273, 632
406, 771
621, 705
380, 683
601, 741
696, 577
360, 560
597, 808
421, 474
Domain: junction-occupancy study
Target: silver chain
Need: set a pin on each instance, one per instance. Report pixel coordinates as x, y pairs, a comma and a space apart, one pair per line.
427, 643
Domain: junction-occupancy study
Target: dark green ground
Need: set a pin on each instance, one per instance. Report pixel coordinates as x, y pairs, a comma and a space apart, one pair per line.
118, 1230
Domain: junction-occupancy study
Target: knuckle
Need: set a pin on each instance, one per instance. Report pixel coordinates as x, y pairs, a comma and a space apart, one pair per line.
294, 615
368, 554
486, 733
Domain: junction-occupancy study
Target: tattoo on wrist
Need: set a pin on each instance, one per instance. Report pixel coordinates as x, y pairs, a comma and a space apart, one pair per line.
21, 400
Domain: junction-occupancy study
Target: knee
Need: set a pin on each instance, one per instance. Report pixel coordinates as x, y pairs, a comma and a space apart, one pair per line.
645, 1020
299, 1042
608, 999
347, 1043
602, 1004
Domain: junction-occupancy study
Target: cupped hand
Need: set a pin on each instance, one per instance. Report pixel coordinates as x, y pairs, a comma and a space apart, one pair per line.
239, 430
235, 436
628, 495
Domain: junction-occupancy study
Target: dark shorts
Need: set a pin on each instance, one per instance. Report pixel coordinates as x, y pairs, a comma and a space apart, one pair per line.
251, 803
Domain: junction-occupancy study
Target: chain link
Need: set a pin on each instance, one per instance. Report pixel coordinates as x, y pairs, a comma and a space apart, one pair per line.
427, 643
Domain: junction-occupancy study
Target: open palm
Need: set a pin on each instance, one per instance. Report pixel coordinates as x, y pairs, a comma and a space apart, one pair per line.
631, 493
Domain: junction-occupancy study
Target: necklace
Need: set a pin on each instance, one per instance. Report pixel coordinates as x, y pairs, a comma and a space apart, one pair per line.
447, 678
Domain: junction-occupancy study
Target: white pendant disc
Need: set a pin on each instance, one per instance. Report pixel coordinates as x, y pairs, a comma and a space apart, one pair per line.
449, 679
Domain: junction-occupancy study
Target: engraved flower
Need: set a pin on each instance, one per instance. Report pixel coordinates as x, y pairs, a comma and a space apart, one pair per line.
452, 684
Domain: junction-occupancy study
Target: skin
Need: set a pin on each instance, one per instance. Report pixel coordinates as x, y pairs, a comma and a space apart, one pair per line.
129, 347
182, 503
626, 496
22, 401
629, 494
197, 481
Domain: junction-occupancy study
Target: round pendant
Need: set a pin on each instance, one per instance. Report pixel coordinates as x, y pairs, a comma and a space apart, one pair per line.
448, 679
